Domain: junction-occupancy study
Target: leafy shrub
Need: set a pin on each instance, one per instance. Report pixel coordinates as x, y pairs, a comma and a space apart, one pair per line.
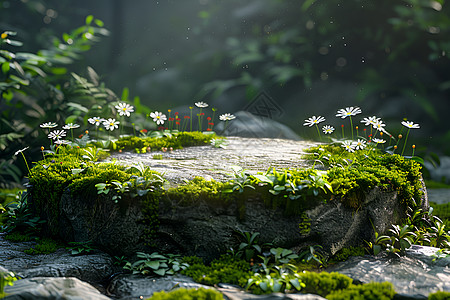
369, 291
156, 264
188, 294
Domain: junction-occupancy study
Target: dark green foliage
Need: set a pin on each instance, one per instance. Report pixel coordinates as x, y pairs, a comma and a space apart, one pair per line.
369, 291
188, 294
440, 295
324, 283
224, 269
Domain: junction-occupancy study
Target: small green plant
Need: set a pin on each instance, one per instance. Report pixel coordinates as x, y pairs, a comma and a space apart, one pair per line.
278, 279
379, 243
188, 294
6, 278
240, 181
313, 254
249, 248
80, 248
20, 218
156, 264
401, 238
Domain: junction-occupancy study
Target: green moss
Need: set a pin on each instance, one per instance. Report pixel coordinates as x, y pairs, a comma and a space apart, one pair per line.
354, 174
188, 294
224, 269
44, 246
345, 253
19, 237
369, 291
176, 141
199, 189
440, 295
324, 283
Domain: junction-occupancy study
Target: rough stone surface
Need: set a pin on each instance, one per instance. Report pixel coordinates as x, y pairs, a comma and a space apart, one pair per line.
130, 287
251, 125
251, 154
92, 268
414, 274
46, 288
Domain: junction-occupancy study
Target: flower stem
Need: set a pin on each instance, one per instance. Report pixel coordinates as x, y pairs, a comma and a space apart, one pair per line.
26, 163
318, 131
406, 139
190, 120
351, 125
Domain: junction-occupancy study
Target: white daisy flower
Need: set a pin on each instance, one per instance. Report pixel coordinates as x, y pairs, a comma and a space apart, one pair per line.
96, 120
20, 151
158, 117
349, 146
48, 125
370, 121
348, 111
111, 124
359, 144
379, 125
70, 126
410, 124
227, 117
327, 129
57, 134
124, 109
313, 121
201, 104
378, 141
63, 142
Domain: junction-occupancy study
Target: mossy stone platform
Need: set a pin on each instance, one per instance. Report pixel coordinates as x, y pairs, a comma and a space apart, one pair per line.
200, 219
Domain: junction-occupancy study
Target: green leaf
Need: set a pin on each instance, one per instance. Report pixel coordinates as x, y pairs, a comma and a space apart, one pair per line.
14, 43
89, 19
5, 67
78, 171
152, 264
99, 23
160, 272
125, 94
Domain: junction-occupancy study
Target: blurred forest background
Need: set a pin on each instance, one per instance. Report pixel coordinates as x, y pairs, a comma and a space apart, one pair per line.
391, 58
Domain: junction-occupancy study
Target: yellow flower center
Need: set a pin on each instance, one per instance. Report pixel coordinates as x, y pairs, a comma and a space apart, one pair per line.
4, 35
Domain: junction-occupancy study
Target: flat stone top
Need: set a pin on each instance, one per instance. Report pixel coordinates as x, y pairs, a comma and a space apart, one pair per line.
209, 162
